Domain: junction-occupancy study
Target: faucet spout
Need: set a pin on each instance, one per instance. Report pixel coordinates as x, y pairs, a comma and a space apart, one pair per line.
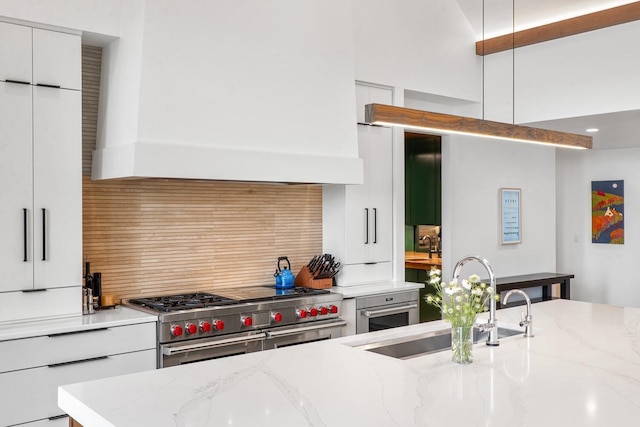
492, 323
527, 321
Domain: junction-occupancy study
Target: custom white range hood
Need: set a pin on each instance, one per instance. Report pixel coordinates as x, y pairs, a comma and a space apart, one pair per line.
241, 91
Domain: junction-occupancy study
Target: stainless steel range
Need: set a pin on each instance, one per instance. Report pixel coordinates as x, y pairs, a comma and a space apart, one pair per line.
201, 326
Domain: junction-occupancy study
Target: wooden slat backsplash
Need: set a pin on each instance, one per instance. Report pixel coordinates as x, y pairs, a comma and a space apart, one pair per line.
153, 236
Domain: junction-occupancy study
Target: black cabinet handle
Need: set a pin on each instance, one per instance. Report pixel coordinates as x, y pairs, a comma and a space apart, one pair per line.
20, 82
93, 359
44, 234
25, 215
375, 225
26, 291
366, 226
47, 85
58, 417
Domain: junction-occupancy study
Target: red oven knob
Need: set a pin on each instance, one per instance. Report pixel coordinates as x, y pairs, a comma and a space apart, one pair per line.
218, 325
176, 330
324, 310
191, 328
246, 320
313, 312
333, 309
277, 317
302, 314
205, 326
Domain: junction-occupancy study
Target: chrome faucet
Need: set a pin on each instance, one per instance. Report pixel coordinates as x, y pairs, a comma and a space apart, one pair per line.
492, 323
527, 321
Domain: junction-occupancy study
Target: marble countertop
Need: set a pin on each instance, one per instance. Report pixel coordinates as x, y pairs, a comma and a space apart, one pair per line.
382, 287
118, 316
582, 368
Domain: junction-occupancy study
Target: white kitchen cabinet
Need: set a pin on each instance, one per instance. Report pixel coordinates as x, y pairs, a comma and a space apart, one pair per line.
16, 187
40, 171
368, 206
40, 57
349, 315
357, 219
41, 213
366, 94
15, 52
57, 59
57, 187
37, 366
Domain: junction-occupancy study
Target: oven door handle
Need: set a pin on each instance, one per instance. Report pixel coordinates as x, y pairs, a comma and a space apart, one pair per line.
168, 351
295, 331
393, 310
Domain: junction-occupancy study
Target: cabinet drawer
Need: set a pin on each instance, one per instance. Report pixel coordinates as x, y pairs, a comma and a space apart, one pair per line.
51, 349
32, 394
58, 302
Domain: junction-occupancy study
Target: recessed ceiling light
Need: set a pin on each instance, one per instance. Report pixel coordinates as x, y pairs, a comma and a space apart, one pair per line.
593, 130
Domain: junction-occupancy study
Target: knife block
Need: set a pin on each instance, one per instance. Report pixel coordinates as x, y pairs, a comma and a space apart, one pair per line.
305, 279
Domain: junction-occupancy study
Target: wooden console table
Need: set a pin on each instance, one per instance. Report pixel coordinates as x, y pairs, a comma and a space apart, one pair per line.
544, 280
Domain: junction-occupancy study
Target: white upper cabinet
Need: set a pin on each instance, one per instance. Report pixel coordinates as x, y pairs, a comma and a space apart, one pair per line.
57, 166
16, 187
57, 59
371, 95
15, 53
40, 57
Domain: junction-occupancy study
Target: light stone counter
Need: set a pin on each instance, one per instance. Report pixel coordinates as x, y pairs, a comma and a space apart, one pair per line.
582, 368
375, 288
118, 316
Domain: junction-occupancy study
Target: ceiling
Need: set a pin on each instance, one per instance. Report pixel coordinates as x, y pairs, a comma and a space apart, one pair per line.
616, 130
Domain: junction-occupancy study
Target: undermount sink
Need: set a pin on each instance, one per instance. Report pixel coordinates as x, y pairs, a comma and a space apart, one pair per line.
427, 343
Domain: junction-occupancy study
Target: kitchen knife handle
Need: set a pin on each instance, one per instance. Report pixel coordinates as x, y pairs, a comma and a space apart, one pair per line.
375, 225
366, 226
44, 234
25, 215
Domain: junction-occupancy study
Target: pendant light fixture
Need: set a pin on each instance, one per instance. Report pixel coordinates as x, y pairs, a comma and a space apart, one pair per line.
443, 124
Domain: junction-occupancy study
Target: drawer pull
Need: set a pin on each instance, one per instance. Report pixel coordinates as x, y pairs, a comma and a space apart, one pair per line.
34, 290
58, 417
20, 82
93, 359
48, 85
62, 334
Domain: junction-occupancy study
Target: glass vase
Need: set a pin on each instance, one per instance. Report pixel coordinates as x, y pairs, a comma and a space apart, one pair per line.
462, 344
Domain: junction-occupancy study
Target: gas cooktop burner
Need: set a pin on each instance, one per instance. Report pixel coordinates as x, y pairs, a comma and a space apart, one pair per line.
168, 303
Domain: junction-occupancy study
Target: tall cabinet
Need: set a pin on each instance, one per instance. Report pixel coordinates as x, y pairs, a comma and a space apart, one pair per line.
357, 219
40, 173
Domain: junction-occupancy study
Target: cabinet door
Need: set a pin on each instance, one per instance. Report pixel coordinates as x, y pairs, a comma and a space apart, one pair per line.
57, 161
32, 394
15, 52
357, 210
379, 141
57, 59
16, 196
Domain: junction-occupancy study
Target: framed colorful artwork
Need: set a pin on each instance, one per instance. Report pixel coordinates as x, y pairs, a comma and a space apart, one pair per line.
607, 212
510, 217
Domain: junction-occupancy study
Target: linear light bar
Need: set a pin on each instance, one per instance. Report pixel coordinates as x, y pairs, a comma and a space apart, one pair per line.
427, 121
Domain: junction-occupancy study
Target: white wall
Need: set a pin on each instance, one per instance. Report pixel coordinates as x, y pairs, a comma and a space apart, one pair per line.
424, 46
473, 169
590, 73
604, 273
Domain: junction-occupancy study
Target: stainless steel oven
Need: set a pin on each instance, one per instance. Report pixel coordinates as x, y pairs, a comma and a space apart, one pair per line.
199, 326
301, 334
181, 353
385, 311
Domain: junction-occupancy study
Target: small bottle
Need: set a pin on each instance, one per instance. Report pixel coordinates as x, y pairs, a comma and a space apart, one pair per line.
90, 309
